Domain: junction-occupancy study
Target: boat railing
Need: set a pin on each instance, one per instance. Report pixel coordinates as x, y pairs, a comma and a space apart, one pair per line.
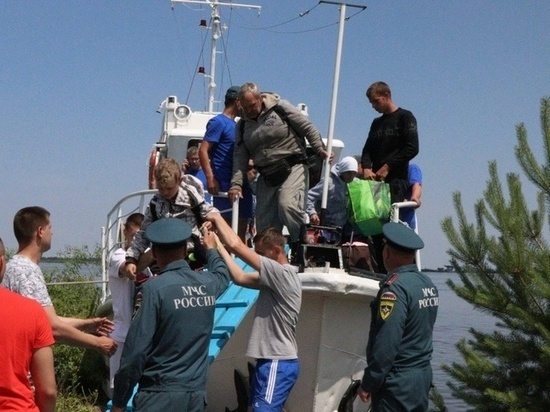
75, 282
111, 233
394, 217
234, 210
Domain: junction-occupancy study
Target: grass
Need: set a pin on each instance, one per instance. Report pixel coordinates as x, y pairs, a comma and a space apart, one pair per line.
80, 373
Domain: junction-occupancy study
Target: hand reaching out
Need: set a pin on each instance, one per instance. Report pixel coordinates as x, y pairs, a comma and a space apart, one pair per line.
210, 239
102, 326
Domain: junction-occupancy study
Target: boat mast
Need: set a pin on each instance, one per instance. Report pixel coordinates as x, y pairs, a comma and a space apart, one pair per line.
216, 30
335, 84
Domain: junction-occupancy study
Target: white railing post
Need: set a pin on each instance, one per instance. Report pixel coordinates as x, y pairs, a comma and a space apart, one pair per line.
394, 217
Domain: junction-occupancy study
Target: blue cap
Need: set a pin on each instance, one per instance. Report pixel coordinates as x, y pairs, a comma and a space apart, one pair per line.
401, 236
168, 231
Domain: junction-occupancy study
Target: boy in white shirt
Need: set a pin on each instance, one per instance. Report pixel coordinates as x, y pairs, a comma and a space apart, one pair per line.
122, 292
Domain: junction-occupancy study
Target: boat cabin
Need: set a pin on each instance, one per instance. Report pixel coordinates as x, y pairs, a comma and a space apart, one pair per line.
183, 128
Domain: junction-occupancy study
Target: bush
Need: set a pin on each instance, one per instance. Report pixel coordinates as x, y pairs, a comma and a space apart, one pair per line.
71, 401
79, 372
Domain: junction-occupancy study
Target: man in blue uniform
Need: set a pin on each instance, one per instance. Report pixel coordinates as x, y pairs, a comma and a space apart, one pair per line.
167, 344
398, 375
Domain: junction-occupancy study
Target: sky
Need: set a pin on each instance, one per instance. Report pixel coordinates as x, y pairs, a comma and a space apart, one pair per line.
81, 82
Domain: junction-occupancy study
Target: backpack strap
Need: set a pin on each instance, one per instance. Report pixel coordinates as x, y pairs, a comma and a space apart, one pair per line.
241, 129
153, 210
277, 109
284, 117
195, 209
197, 212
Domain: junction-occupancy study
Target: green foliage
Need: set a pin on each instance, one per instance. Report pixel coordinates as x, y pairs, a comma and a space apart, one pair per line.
79, 372
504, 264
437, 400
72, 400
9, 253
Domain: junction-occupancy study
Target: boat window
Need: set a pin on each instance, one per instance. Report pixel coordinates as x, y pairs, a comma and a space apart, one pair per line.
194, 143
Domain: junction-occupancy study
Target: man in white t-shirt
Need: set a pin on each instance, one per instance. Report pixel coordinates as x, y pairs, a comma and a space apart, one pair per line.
33, 231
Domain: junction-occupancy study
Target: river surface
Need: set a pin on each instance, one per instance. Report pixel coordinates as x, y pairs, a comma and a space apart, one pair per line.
454, 319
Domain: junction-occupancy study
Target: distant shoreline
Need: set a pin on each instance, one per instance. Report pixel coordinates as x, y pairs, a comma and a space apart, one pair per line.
56, 259
446, 269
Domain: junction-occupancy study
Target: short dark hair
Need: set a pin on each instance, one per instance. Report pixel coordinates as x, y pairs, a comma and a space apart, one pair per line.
231, 95
270, 237
27, 221
135, 219
378, 89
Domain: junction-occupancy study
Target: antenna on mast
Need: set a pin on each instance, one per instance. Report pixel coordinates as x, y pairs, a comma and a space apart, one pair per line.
216, 31
335, 84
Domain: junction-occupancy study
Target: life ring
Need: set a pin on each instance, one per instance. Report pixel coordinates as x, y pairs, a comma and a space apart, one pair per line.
153, 160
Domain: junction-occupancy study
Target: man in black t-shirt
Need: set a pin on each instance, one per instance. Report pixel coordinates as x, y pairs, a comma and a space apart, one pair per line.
391, 143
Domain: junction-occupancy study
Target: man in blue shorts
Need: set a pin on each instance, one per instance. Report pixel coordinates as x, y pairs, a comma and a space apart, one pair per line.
273, 337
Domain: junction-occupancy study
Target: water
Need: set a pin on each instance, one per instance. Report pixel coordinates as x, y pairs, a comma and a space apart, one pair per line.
91, 271
454, 319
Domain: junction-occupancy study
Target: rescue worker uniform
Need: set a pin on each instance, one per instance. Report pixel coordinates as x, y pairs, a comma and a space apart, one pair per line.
166, 349
398, 374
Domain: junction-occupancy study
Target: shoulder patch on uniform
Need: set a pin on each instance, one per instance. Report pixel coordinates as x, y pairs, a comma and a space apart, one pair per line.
387, 302
391, 279
388, 296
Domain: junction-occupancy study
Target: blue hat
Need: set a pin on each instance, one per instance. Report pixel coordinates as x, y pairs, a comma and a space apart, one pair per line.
402, 237
168, 231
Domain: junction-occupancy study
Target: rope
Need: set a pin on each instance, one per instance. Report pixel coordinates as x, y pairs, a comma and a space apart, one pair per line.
300, 15
76, 282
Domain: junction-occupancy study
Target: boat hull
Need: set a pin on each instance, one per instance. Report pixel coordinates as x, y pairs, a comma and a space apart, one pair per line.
332, 335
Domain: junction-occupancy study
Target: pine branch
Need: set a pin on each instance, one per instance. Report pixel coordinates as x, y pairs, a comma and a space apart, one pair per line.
503, 261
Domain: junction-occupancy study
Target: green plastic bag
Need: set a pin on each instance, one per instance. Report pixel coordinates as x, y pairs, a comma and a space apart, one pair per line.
369, 205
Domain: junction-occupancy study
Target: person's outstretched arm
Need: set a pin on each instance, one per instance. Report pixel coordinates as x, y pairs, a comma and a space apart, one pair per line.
249, 280
66, 333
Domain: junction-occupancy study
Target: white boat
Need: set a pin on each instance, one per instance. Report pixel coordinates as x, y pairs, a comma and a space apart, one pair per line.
335, 315
332, 330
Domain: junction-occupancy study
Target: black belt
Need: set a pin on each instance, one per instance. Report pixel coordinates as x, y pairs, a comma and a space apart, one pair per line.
161, 385
292, 160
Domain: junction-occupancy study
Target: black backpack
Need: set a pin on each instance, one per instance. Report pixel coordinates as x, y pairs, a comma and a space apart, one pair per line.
314, 162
